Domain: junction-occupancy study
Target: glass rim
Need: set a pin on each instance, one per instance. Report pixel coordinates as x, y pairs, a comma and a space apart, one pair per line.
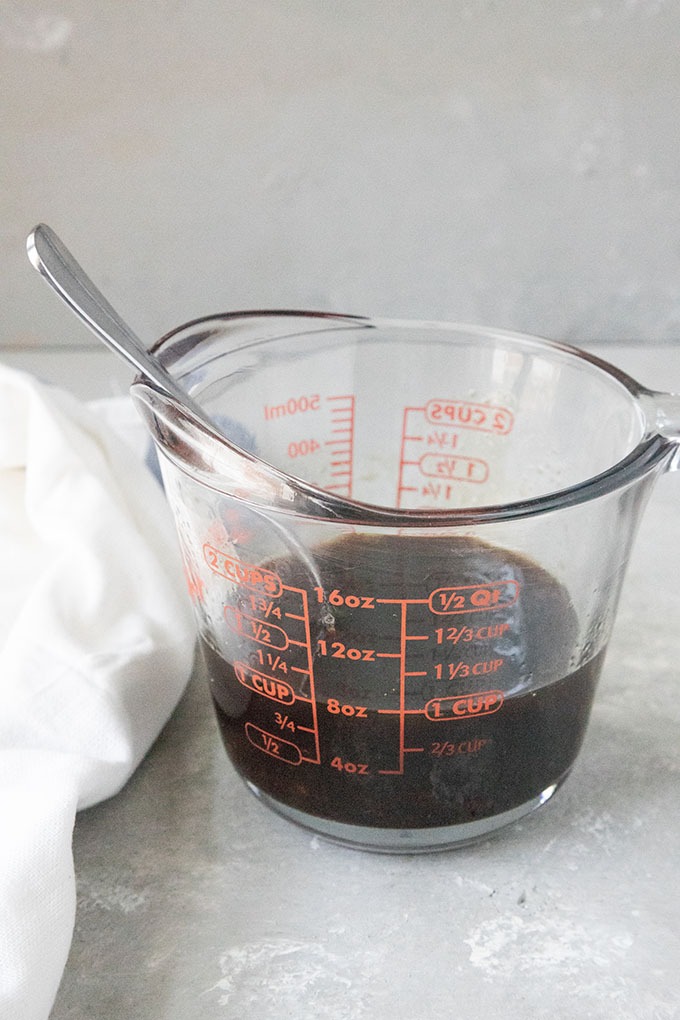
315, 502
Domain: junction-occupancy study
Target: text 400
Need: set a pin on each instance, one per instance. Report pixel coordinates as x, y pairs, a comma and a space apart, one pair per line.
303, 448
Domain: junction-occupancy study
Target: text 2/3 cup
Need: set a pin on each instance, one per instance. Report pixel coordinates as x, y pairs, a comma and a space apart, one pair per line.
405, 559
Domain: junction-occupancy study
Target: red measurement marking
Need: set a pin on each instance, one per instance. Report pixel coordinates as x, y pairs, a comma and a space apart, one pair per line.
466, 415
402, 696
463, 706
474, 598
341, 414
462, 670
275, 661
195, 585
456, 634
303, 447
268, 686
310, 671
267, 607
292, 406
454, 468
262, 631
397, 711
447, 748
401, 488
442, 439
273, 744
241, 573
399, 602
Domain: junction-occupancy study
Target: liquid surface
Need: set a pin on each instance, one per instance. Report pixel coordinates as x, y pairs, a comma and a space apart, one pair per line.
410, 683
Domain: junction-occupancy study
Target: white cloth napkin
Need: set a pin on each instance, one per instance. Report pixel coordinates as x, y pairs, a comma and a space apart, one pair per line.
96, 646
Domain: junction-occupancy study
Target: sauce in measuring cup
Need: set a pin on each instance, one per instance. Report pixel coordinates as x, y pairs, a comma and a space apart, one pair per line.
425, 682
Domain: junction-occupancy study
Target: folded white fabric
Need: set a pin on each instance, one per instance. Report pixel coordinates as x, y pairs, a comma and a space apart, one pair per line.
96, 646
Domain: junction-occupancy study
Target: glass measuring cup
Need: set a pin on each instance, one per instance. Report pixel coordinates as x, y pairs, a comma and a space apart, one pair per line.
405, 558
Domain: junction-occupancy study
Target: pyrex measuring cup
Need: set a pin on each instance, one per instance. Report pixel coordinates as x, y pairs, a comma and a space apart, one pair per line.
405, 559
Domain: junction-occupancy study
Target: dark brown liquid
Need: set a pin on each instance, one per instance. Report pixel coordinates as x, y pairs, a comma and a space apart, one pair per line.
454, 705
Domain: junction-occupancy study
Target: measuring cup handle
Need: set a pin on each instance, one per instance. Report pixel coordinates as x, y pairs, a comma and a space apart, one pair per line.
663, 414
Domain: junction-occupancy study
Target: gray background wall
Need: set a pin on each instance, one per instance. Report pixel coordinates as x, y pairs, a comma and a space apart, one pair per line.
511, 163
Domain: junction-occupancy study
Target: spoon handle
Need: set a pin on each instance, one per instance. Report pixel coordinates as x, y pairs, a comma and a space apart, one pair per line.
50, 256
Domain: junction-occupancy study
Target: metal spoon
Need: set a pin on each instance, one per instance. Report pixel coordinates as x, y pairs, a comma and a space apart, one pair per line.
50, 256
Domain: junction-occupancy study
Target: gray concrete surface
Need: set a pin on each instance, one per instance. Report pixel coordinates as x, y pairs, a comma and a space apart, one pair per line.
195, 902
